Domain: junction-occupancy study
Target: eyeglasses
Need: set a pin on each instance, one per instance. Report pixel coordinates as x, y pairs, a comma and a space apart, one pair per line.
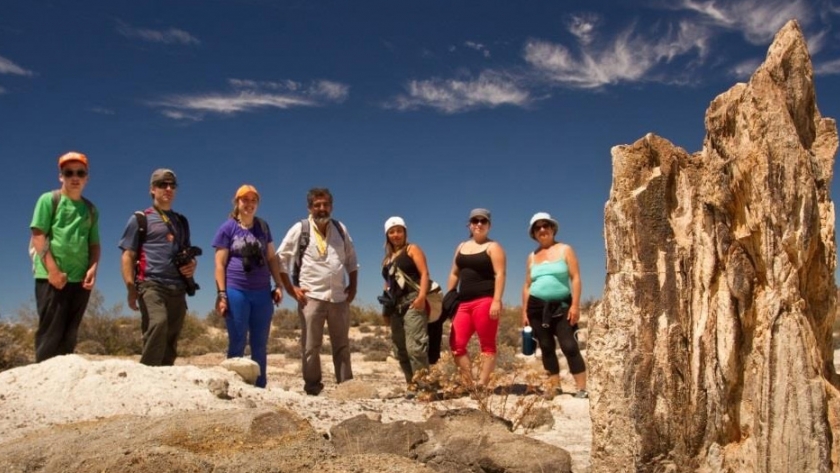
479, 221
80, 173
166, 185
541, 225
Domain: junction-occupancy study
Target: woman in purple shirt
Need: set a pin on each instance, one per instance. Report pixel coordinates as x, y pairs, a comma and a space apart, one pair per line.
245, 265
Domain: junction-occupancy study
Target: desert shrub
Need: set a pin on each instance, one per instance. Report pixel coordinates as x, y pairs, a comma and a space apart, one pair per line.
16, 345
367, 315
215, 319
103, 334
196, 338
512, 393
286, 323
371, 344
510, 328
377, 356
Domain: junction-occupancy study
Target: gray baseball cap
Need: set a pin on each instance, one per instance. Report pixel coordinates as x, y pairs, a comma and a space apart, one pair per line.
161, 175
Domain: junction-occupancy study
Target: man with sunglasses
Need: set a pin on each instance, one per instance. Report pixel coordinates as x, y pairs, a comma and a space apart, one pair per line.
65, 240
155, 284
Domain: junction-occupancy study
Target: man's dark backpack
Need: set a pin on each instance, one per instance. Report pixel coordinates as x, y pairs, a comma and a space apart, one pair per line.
303, 242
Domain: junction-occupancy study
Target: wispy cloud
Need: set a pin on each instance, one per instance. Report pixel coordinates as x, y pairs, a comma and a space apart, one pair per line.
583, 26
2, 90
8, 67
743, 70
489, 90
759, 20
629, 57
827, 68
168, 36
478, 47
249, 95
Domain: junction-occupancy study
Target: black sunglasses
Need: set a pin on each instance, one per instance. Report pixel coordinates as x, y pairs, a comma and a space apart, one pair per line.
482, 221
68, 173
166, 184
541, 225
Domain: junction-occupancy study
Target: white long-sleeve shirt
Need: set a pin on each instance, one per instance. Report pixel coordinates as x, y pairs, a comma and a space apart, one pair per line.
321, 274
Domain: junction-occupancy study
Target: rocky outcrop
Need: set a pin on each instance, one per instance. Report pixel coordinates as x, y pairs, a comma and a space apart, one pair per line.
455, 441
278, 440
712, 348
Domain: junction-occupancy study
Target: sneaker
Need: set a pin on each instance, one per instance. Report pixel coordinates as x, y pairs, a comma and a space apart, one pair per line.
582, 394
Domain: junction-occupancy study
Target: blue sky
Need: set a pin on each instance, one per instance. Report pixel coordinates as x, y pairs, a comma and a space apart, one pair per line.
418, 109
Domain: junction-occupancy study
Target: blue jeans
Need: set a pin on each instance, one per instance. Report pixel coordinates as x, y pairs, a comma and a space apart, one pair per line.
249, 313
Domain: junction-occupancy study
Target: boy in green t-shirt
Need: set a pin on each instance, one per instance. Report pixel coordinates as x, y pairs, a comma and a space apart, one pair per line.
66, 243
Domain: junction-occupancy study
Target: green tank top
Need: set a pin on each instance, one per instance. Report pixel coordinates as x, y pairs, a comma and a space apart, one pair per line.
550, 280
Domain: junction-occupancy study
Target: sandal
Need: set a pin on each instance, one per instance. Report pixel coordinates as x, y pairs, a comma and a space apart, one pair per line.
582, 394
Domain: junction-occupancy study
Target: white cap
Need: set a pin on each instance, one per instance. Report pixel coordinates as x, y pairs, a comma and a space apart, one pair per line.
541, 216
393, 222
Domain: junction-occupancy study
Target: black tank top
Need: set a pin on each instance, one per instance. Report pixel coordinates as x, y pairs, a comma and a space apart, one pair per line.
477, 278
406, 264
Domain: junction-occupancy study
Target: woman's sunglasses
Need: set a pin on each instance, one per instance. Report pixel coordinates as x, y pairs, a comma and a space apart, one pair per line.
68, 173
541, 225
477, 221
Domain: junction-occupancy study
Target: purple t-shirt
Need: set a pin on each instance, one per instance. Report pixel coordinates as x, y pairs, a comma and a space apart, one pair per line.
247, 250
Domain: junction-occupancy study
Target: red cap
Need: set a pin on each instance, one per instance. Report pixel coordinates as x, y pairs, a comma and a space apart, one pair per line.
72, 156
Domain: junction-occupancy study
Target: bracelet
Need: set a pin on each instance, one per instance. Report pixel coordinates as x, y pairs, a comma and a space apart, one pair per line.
221, 294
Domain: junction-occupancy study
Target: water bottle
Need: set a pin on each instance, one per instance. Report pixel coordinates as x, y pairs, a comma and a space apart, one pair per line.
529, 345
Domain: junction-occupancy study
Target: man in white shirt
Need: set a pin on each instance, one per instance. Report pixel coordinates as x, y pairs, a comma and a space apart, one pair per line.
319, 252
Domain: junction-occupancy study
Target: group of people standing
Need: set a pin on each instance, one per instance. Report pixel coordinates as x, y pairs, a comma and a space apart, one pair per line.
315, 264
550, 301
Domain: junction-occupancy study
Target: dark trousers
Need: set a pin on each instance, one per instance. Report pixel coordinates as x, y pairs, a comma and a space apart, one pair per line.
60, 313
560, 328
162, 312
435, 337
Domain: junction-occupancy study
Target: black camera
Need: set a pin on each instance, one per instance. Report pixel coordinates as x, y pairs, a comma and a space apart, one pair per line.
252, 256
183, 258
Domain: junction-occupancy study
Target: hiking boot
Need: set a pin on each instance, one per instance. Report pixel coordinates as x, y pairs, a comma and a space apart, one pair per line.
314, 390
582, 394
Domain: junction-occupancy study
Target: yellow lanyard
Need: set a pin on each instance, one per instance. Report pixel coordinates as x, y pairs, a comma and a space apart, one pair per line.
320, 240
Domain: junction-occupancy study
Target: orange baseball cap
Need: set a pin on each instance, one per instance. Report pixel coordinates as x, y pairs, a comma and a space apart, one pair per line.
72, 156
245, 189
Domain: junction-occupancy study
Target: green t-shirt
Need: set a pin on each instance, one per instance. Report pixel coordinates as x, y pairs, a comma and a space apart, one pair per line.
71, 234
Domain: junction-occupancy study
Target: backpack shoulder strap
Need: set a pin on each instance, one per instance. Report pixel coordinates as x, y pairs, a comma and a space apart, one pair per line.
339, 228
142, 227
263, 226
56, 198
303, 243
185, 225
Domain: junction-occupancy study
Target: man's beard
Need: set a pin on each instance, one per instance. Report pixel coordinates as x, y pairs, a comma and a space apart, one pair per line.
321, 218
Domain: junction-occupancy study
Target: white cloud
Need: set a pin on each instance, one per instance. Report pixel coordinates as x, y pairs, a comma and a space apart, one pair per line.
478, 47
583, 26
629, 57
179, 115
250, 95
8, 67
743, 70
817, 41
170, 36
759, 20
827, 68
489, 90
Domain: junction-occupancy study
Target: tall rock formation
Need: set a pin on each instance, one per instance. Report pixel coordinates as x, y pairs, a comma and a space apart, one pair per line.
712, 349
